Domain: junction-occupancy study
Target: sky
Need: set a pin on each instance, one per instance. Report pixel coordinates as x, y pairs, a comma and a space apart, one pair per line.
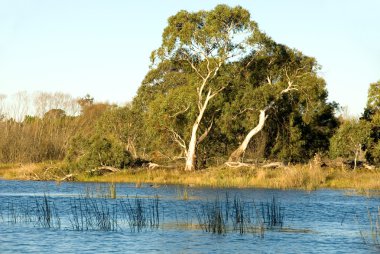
102, 47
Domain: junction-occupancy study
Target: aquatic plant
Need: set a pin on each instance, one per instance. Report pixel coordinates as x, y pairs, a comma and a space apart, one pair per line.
272, 213
239, 216
371, 235
46, 213
93, 214
112, 190
139, 215
183, 193
211, 219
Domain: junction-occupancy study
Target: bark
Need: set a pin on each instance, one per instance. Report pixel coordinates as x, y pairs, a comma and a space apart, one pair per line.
237, 154
191, 155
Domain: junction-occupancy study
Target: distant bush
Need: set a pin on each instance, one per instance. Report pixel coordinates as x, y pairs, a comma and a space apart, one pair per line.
97, 151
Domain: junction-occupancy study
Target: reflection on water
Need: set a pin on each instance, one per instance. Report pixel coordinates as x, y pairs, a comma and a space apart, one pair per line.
41, 217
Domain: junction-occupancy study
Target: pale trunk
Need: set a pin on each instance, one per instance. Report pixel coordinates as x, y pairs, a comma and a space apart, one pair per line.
190, 157
356, 156
237, 154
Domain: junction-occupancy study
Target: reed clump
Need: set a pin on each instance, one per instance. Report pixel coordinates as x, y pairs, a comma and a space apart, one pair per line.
46, 213
93, 214
371, 236
240, 216
272, 214
85, 213
183, 193
141, 215
42, 212
211, 219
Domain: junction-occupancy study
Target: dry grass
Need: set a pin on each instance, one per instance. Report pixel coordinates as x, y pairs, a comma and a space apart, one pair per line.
307, 177
31, 171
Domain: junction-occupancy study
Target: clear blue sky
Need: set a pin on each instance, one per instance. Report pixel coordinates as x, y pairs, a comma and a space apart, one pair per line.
103, 47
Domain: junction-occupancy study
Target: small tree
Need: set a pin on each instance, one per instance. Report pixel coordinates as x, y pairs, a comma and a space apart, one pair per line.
349, 140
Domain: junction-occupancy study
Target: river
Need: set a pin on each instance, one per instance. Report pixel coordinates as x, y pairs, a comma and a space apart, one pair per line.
174, 219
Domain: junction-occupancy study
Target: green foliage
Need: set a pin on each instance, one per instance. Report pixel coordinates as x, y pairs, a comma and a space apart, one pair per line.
372, 116
86, 154
350, 139
203, 52
373, 102
299, 124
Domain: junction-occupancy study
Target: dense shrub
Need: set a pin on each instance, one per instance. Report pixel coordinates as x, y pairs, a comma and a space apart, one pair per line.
84, 154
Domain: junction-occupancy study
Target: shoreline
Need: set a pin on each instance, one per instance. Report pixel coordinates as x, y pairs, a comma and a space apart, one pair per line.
303, 177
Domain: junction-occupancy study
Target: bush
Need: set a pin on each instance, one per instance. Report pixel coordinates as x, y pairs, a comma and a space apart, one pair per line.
97, 151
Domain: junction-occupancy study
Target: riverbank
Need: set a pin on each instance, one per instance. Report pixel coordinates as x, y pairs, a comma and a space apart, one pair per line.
305, 177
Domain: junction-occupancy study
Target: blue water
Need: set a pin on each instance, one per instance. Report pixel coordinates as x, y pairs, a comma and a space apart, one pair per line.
323, 221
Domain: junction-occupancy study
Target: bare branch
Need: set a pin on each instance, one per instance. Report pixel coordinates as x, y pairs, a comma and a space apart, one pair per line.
221, 89
179, 140
188, 59
180, 112
269, 80
204, 135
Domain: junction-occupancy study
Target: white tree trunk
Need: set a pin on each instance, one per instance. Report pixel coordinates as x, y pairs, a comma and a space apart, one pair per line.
190, 156
237, 154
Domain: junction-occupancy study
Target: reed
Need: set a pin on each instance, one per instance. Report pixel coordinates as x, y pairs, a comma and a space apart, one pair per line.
183, 193
240, 216
141, 215
112, 190
46, 213
93, 214
211, 219
371, 235
99, 214
272, 213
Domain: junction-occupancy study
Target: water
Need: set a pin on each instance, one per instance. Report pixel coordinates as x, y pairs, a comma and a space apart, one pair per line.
323, 221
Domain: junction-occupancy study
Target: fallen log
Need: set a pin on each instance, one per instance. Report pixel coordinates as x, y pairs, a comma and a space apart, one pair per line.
103, 169
152, 165
233, 164
68, 178
274, 165
367, 166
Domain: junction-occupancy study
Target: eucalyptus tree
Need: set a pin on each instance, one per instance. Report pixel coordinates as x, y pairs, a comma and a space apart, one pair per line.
350, 139
203, 42
281, 84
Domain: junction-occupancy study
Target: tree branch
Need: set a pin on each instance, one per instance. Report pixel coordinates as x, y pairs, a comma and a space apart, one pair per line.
204, 135
179, 140
180, 112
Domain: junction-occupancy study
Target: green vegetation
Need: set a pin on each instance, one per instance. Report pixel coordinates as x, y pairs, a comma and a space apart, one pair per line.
219, 90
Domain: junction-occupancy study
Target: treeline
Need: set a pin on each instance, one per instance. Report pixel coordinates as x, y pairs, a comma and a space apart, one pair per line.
219, 90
